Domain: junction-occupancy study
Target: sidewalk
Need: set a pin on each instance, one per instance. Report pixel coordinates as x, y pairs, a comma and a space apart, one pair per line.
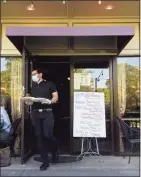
89, 166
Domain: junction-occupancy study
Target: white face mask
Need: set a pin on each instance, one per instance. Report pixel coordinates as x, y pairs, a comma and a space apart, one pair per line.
35, 78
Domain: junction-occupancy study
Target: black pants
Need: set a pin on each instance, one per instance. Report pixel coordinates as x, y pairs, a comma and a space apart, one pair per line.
43, 123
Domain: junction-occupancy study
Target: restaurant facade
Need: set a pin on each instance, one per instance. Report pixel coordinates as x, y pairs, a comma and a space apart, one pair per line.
83, 52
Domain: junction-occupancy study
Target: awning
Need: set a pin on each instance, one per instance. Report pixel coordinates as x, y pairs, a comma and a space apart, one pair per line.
75, 38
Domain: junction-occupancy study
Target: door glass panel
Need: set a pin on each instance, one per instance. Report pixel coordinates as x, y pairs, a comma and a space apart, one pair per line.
11, 90
91, 80
129, 90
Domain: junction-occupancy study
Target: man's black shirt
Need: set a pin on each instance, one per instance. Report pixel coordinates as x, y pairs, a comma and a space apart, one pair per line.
42, 90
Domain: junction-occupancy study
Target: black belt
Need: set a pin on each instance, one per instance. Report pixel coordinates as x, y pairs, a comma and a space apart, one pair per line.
41, 110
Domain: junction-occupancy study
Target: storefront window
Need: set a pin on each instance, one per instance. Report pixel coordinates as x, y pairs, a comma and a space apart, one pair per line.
129, 89
11, 85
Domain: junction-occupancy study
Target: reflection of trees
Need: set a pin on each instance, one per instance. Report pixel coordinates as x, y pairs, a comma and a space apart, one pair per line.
132, 85
11, 80
106, 94
91, 89
6, 78
85, 88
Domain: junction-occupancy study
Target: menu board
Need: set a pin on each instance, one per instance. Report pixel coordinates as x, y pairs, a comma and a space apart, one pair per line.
89, 115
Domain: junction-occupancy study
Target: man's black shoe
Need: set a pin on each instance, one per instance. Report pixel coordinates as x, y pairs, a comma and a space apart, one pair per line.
38, 159
44, 166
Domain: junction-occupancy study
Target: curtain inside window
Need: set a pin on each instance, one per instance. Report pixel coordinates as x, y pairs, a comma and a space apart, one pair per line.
16, 87
122, 88
121, 69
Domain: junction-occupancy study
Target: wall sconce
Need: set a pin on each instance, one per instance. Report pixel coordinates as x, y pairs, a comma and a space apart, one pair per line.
109, 7
99, 2
30, 7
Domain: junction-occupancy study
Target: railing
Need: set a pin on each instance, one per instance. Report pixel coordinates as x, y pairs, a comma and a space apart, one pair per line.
132, 122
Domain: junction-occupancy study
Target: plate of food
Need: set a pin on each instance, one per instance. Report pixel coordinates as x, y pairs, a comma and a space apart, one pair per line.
27, 98
38, 99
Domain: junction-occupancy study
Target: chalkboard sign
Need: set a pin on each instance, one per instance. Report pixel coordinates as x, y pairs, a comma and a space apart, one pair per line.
89, 115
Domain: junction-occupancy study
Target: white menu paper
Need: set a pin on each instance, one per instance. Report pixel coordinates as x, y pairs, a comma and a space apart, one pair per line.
89, 115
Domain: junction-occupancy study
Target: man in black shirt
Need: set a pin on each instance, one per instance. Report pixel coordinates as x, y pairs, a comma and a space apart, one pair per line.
42, 116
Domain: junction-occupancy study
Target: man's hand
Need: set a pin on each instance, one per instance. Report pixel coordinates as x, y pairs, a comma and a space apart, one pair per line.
29, 102
47, 101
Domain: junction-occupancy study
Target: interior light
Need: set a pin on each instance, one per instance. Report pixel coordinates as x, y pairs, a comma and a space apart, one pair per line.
4, 1
99, 2
64, 2
68, 78
30, 7
109, 7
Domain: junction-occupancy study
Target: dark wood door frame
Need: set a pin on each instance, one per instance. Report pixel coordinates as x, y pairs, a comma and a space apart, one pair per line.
113, 97
26, 68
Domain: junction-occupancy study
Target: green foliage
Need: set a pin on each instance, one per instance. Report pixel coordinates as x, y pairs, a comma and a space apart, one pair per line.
132, 86
81, 70
6, 76
106, 94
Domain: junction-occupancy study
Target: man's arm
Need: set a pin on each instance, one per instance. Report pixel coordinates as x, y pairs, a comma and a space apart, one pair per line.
54, 97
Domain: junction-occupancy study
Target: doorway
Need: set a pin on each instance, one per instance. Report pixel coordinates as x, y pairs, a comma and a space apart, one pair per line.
61, 71
58, 71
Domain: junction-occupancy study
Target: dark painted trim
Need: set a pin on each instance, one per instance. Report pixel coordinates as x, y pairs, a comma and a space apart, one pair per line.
125, 56
71, 102
23, 94
112, 102
115, 105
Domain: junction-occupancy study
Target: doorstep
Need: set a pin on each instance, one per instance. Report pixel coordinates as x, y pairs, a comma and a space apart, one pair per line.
112, 162
89, 166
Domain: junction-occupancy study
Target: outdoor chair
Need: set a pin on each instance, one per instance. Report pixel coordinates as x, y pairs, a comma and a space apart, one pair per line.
131, 135
10, 141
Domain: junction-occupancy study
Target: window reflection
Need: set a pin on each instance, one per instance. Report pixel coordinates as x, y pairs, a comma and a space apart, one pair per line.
128, 87
11, 85
91, 80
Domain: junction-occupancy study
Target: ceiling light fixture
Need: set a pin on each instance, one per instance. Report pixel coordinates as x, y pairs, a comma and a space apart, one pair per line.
30, 7
64, 2
109, 7
4, 1
99, 2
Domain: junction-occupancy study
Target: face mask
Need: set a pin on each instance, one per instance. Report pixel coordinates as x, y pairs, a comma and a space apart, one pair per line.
35, 78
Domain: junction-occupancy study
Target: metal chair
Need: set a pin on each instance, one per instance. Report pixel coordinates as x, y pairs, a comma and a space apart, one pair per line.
131, 135
12, 135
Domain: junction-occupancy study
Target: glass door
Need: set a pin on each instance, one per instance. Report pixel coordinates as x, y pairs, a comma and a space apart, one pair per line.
26, 125
94, 76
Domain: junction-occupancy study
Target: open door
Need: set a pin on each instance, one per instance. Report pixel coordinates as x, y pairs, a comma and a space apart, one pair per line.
26, 126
